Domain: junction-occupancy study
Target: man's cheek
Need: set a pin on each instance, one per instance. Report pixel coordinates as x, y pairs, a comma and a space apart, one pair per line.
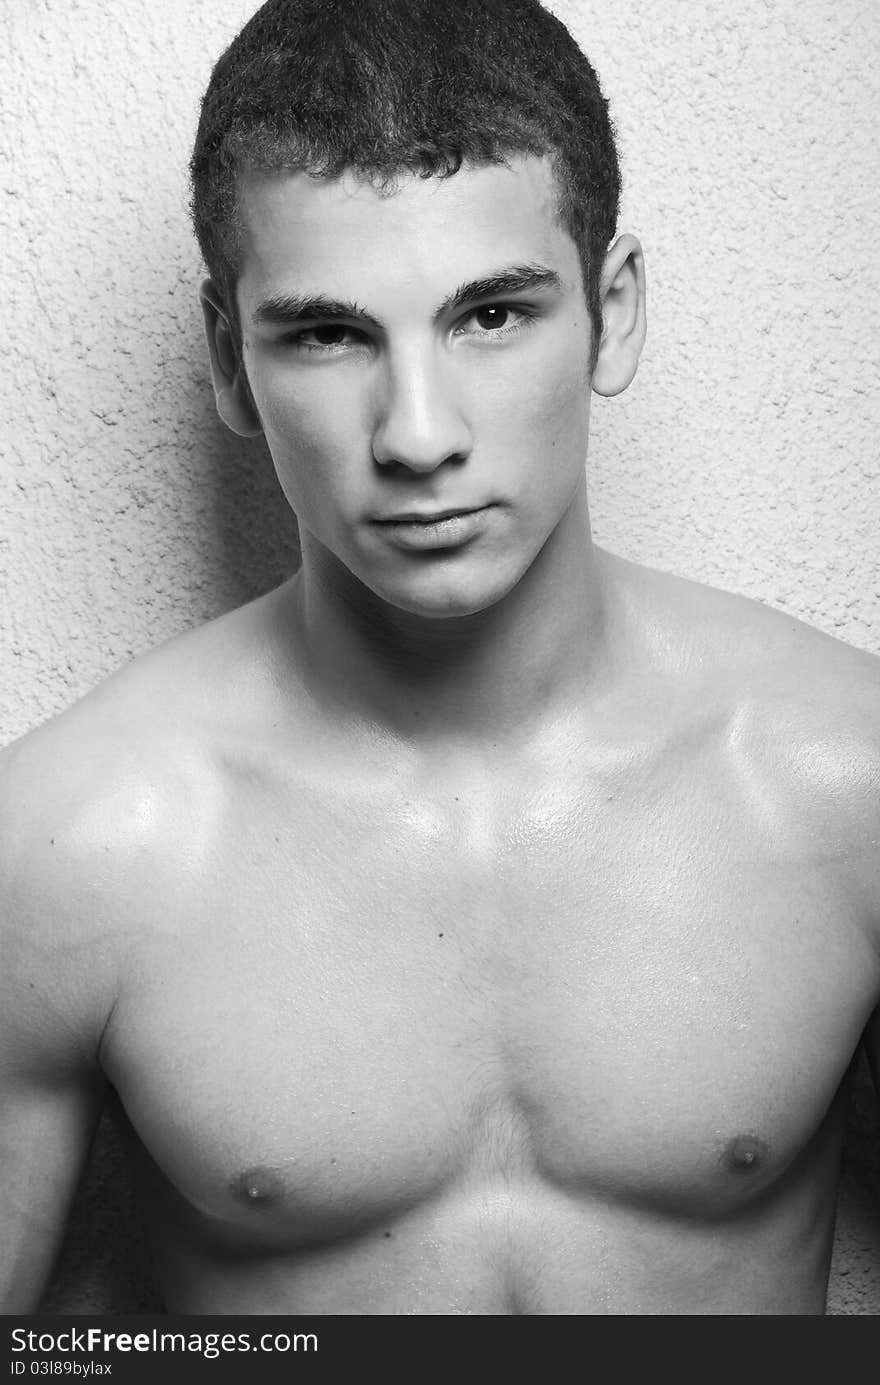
304, 438
550, 416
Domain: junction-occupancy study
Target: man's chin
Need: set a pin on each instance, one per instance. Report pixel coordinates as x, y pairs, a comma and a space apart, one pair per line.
437, 586
433, 597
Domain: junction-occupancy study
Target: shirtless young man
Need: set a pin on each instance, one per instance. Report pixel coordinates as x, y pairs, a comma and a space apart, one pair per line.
478, 923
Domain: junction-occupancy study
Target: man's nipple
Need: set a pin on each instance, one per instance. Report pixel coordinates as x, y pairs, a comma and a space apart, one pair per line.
260, 1188
745, 1153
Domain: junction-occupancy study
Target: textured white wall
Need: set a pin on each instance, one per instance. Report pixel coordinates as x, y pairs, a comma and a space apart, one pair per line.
743, 455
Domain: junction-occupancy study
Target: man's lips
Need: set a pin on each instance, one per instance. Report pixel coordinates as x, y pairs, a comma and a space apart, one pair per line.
426, 529
428, 516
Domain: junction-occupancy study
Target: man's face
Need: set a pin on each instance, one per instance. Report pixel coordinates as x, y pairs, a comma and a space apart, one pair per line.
419, 356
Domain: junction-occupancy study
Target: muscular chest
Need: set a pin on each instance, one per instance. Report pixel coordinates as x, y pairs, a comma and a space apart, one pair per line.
611, 1003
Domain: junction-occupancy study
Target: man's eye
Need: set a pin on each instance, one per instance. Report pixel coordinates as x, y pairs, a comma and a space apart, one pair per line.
491, 317
327, 334
324, 336
494, 320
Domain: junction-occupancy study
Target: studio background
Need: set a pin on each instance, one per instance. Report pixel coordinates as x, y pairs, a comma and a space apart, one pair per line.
744, 454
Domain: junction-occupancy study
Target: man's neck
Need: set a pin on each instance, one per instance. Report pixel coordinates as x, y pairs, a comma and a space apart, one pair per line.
501, 673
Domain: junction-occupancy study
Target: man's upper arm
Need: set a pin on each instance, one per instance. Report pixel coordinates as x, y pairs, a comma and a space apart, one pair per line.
51, 1086
872, 1048
862, 771
46, 1132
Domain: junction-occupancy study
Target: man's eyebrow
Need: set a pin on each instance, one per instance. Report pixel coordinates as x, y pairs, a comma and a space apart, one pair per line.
286, 309
283, 309
515, 279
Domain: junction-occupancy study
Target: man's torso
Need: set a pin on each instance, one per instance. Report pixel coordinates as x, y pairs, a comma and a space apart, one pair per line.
553, 1031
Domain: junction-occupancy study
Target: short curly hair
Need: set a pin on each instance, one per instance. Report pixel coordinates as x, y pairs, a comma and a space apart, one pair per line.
386, 87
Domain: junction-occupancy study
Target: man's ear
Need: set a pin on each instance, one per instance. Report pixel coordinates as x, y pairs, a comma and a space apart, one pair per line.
622, 293
235, 403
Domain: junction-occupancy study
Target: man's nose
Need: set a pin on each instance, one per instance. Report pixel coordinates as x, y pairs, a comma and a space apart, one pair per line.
420, 422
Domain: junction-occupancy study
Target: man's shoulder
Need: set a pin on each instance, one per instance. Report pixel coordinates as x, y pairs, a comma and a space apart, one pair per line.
754, 653
128, 775
65, 794
791, 674
796, 709
806, 708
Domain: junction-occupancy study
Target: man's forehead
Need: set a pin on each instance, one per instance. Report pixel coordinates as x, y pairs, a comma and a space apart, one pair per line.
343, 234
